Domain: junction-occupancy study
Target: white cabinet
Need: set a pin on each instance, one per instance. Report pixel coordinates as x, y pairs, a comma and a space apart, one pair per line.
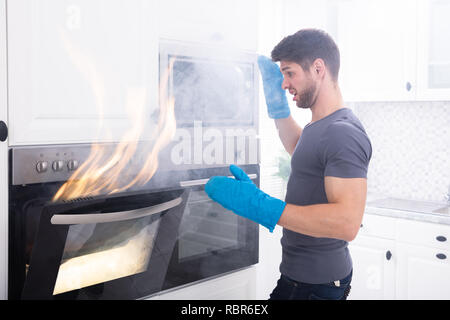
3, 161
77, 68
385, 58
377, 50
396, 258
374, 260
239, 285
423, 251
433, 50
373, 269
423, 272
299, 14
231, 23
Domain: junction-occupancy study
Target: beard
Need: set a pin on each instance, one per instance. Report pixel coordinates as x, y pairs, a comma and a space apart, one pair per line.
307, 97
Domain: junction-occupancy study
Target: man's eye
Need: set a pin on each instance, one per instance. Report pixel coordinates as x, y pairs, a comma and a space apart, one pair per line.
289, 74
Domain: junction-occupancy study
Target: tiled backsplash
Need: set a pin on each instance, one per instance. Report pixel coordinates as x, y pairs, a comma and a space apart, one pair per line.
411, 148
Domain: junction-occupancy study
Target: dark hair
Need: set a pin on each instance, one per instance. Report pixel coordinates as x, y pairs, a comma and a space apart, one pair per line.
305, 46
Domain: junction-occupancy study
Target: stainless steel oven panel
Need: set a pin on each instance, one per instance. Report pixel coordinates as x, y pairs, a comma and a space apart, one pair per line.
50, 163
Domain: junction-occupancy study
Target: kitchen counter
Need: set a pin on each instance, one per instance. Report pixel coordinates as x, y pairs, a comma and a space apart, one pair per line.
435, 212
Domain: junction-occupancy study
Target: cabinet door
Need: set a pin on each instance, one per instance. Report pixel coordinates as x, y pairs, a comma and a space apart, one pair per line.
377, 50
422, 273
433, 63
373, 268
77, 69
233, 22
3, 160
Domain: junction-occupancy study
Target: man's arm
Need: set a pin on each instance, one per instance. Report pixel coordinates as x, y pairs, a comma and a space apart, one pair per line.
340, 218
289, 132
277, 105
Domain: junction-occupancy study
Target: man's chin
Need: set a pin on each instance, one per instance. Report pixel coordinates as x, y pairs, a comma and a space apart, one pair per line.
303, 106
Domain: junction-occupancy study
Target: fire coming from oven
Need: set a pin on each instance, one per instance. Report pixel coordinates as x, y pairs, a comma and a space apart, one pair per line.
105, 172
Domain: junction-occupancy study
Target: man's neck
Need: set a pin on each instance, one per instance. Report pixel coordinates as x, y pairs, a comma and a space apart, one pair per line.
327, 102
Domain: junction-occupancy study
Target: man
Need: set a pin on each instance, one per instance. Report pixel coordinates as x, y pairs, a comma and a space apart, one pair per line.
326, 191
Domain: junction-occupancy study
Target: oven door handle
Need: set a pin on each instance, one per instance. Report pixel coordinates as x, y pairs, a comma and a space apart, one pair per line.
199, 182
64, 219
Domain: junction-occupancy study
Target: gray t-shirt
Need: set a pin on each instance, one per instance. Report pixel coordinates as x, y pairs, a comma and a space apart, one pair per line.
336, 145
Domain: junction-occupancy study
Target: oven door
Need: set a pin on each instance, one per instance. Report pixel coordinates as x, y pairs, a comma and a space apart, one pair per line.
127, 246
112, 248
211, 239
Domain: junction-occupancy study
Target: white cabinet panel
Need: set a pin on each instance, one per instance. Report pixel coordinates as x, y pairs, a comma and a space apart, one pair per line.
3, 161
433, 61
378, 226
232, 22
424, 234
75, 67
423, 273
299, 14
374, 264
377, 52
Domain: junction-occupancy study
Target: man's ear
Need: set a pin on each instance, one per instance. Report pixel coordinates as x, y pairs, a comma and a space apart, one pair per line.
318, 67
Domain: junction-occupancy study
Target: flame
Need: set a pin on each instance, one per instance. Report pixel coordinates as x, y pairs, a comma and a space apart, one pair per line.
106, 173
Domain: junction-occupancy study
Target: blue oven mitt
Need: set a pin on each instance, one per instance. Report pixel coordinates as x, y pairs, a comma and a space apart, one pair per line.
277, 104
244, 198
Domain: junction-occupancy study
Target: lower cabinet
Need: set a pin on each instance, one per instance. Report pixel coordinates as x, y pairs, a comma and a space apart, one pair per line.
396, 258
423, 272
373, 269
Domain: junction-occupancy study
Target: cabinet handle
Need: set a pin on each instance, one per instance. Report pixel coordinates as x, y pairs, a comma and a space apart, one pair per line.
388, 255
441, 256
441, 238
408, 86
3, 131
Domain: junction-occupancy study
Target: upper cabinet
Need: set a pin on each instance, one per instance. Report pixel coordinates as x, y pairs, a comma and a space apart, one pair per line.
376, 42
84, 71
433, 50
229, 23
390, 50
78, 69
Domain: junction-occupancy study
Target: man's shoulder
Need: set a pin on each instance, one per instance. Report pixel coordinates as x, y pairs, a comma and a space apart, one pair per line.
344, 131
344, 126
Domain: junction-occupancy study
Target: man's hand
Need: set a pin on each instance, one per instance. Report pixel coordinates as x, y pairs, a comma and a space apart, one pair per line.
277, 104
243, 197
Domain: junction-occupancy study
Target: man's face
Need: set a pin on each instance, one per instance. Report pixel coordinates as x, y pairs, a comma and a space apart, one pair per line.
299, 83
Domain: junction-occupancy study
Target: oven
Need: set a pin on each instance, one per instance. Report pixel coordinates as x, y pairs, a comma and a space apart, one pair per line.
126, 245
124, 240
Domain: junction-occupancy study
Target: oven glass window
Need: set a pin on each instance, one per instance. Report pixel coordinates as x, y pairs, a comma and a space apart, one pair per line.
96, 253
206, 227
215, 93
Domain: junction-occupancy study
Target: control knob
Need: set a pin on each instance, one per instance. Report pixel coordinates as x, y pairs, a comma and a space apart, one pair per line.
72, 165
41, 166
57, 165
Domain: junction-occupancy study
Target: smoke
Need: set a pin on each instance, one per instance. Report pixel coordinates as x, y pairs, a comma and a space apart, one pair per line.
215, 105
206, 116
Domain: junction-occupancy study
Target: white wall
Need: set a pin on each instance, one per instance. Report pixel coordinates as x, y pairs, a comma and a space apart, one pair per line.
410, 141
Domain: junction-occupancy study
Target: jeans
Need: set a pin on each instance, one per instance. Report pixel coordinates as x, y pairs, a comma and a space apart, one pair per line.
288, 289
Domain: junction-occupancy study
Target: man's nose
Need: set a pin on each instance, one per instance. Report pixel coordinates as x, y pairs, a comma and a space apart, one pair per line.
285, 84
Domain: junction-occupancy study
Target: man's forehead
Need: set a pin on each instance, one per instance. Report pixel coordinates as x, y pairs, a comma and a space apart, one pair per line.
286, 65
